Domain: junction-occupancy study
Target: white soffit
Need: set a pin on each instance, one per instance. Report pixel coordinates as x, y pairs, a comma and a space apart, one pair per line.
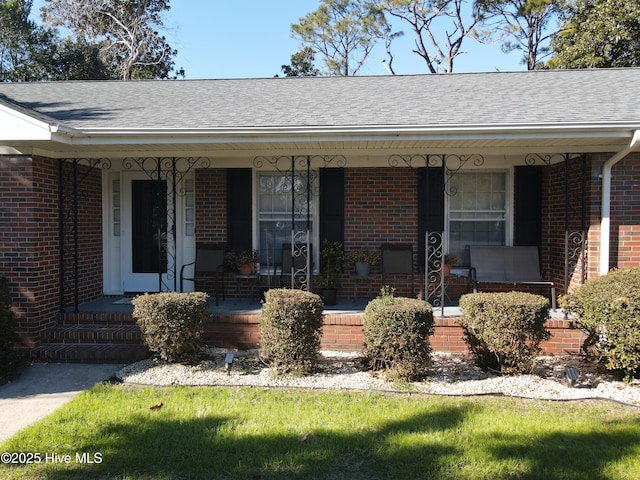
16, 126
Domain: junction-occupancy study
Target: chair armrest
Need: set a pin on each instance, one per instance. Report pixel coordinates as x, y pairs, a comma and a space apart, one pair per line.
473, 278
183, 266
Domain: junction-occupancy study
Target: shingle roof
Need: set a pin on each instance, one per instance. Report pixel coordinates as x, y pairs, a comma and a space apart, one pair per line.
603, 96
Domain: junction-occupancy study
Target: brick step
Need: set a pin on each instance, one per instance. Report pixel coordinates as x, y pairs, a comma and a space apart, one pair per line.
88, 353
89, 334
97, 318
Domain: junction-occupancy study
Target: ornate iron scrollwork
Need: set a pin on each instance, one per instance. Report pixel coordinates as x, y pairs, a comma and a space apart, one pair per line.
434, 268
171, 170
301, 172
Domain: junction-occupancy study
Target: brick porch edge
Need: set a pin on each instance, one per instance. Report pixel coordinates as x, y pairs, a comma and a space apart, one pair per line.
344, 332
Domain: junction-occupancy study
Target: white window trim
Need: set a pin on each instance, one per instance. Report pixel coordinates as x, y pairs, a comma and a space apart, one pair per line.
509, 199
315, 214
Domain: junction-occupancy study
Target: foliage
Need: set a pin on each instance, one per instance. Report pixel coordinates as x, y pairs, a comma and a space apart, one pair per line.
522, 26
598, 34
439, 26
9, 362
290, 330
79, 60
396, 335
331, 264
343, 31
364, 256
24, 46
451, 260
301, 64
235, 259
504, 330
125, 31
172, 323
608, 309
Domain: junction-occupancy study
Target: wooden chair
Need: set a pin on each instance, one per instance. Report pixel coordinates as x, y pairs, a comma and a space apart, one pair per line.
397, 259
208, 266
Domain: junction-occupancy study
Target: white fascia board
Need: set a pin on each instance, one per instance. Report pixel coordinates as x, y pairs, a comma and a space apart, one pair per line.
352, 133
16, 126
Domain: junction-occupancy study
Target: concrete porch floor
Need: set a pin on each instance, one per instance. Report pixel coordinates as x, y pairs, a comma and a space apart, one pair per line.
113, 304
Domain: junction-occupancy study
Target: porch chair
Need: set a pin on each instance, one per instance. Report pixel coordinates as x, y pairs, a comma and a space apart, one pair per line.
397, 259
299, 263
208, 266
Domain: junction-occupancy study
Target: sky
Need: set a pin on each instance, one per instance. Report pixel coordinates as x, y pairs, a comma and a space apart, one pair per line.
252, 39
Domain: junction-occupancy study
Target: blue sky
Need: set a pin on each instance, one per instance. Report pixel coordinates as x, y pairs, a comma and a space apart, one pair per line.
252, 38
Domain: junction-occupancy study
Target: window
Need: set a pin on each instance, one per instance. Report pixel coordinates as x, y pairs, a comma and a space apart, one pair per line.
189, 208
477, 211
116, 207
274, 214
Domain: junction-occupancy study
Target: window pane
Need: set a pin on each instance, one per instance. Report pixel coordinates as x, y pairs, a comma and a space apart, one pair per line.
477, 211
274, 214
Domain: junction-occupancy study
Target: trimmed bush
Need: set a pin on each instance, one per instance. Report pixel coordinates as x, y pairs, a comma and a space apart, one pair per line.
608, 310
396, 336
172, 323
504, 330
290, 330
9, 362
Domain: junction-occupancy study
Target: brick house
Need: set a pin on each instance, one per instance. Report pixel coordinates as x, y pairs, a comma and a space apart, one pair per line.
107, 187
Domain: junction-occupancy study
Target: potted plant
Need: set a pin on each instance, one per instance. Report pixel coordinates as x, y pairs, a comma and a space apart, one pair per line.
363, 260
331, 267
449, 261
242, 261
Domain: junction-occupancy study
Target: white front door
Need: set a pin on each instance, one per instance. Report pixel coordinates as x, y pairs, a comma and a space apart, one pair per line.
144, 233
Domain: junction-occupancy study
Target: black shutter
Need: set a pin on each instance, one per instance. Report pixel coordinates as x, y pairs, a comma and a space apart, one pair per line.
528, 206
239, 208
430, 205
332, 205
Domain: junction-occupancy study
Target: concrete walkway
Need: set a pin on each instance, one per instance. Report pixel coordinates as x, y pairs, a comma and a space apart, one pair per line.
42, 388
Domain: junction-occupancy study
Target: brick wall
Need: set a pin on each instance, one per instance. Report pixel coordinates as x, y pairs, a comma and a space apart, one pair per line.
29, 241
556, 211
211, 205
625, 213
343, 332
380, 207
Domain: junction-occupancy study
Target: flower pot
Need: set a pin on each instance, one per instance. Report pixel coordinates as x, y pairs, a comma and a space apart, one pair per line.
362, 269
447, 270
246, 269
328, 296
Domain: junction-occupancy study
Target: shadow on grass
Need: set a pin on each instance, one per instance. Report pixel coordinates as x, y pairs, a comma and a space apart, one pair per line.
207, 448
569, 455
433, 443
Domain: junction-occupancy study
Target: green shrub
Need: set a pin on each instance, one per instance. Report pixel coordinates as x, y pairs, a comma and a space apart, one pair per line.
608, 309
396, 335
172, 323
9, 361
290, 330
504, 330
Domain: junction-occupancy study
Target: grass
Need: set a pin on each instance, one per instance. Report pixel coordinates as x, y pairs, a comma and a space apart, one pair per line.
245, 433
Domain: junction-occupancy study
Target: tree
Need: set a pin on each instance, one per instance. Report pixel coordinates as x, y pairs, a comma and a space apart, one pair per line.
427, 18
343, 31
79, 60
24, 47
301, 64
525, 23
598, 34
124, 30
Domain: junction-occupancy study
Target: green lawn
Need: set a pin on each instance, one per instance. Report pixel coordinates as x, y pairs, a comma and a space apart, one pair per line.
247, 433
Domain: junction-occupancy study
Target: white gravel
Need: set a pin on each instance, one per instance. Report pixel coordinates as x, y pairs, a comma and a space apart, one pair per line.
450, 374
